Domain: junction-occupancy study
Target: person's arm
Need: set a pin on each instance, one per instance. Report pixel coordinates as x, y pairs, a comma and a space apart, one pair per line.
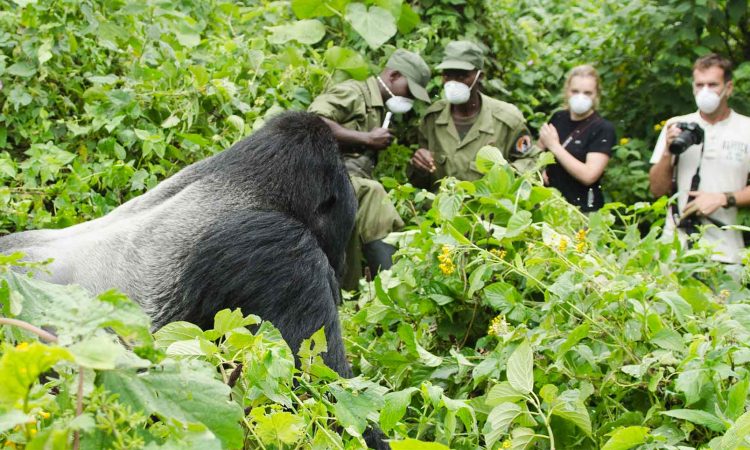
377, 138
660, 174
706, 203
588, 172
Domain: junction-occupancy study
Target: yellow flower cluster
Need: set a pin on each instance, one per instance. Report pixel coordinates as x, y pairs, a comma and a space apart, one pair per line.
563, 245
624, 141
446, 263
22, 346
507, 443
660, 125
581, 239
499, 253
498, 326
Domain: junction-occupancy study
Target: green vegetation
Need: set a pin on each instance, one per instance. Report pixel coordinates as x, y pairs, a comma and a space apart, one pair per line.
509, 321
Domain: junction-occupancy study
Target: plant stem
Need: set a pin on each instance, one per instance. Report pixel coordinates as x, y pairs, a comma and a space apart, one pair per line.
47, 336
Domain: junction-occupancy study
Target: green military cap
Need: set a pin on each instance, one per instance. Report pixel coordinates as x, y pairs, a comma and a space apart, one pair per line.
416, 71
462, 55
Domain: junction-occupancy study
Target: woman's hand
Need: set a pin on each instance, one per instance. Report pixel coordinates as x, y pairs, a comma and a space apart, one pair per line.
549, 138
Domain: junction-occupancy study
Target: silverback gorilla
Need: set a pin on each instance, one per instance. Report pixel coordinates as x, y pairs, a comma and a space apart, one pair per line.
261, 226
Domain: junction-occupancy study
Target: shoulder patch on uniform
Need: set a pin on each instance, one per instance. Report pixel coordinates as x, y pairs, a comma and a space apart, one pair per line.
523, 144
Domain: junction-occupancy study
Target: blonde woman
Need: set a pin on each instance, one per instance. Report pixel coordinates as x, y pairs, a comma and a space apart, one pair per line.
581, 141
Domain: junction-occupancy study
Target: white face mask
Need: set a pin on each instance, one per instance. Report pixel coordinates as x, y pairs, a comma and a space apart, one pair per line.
457, 93
707, 100
580, 103
396, 103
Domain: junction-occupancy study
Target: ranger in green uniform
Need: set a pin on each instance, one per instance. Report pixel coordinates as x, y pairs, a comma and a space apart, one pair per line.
356, 112
454, 129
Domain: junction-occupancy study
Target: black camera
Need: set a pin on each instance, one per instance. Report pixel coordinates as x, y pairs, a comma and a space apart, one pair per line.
691, 134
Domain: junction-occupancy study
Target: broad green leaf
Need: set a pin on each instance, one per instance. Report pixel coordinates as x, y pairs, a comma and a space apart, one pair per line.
690, 383
698, 417
352, 409
99, 352
520, 368
737, 397
626, 438
395, 407
183, 391
415, 444
375, 25
427, 358
548, 393
487, 157
448, 205
170, 121
518, 223
477, 279
575, 412
347, 60
13, 417
20, 367
574, 337
227, 320
176, 331
737, 435
24, 69
680, 307
305, 9
303, 31
498, 421
280, 427
408, 20
74, 313
521, 438
503, 392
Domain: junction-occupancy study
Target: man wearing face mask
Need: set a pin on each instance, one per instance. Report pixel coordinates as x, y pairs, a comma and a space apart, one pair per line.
454, 129
357, 112
722, 162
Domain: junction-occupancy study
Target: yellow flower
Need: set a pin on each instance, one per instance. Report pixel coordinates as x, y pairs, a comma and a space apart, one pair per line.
658, 127
446, 263
563, 244
624, 141
22, 346
498, 326
581, 234
32, 431
44, 414
663, 122
499, 253
581, 246
507, 443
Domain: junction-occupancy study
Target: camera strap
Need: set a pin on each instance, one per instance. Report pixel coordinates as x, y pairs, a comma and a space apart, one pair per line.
689, 223
583, 126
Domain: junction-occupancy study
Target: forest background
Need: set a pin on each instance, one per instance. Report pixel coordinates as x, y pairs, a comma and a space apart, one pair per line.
586, 333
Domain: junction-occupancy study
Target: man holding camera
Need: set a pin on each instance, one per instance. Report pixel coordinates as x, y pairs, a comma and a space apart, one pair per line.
705, 157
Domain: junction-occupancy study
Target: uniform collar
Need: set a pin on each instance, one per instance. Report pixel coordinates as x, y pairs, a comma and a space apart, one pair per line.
484, 122
375, 98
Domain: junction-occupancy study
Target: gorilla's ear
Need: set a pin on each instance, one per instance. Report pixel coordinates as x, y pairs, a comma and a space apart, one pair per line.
327, 205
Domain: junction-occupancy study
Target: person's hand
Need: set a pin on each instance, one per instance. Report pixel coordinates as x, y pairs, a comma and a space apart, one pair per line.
548, 137
672, 132
423, 160
379, 138
704, 203
545, 178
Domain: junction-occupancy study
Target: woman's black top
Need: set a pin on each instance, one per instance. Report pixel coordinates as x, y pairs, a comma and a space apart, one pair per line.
594, 135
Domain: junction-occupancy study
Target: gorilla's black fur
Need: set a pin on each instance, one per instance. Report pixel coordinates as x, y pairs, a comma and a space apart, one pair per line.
261, 226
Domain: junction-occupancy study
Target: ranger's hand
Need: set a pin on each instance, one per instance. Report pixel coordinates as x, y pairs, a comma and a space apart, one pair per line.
379, 138
423, 160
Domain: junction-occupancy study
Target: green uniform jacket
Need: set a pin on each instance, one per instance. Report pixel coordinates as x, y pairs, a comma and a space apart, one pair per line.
356, 105
499, 124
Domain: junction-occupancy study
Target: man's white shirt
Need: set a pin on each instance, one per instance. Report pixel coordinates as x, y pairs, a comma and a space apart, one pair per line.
725, 168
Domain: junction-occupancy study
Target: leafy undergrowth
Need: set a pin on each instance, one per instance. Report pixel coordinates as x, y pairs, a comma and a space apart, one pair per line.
509, 321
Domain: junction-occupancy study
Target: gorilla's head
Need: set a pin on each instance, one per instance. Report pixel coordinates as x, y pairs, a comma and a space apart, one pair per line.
296, 168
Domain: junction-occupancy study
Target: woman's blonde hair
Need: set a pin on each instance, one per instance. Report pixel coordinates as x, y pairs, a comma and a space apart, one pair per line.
584, 70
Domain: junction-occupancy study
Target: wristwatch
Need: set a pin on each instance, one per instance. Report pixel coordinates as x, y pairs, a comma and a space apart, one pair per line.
731, 201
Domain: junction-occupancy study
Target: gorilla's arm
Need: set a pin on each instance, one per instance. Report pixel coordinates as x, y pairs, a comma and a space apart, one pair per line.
268, 264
